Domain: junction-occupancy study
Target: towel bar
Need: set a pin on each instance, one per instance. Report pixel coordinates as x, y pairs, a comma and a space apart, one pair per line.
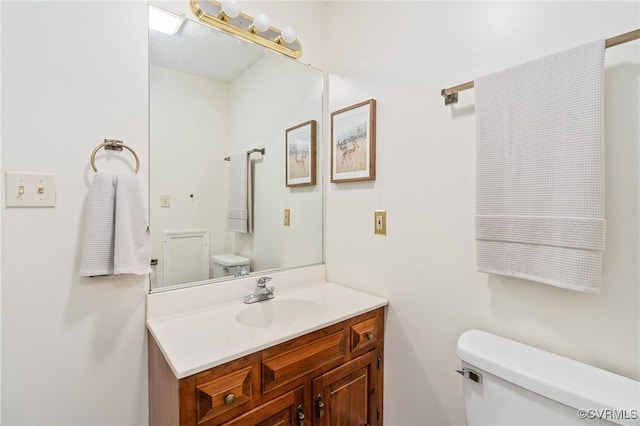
251, 151
115, 145
450, 94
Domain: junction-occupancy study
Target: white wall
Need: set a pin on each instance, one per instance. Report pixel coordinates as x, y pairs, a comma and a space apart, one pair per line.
403, 55
73, 349
74, 73
77, 346
277, 94
189, 128
195, 123
0, 225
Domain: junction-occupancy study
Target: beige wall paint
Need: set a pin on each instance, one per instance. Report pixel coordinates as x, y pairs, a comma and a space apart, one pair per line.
403, 56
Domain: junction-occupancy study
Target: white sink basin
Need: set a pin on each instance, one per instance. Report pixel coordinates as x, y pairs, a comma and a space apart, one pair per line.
193, 339
278, 313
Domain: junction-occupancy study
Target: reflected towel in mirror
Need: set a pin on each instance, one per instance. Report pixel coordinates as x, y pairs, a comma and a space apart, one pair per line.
239, 213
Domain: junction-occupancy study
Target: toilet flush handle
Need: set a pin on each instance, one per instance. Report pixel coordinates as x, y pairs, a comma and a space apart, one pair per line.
470, 374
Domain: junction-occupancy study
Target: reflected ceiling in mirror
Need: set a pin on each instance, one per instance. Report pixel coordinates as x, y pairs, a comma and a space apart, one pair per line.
213, 96
202, 51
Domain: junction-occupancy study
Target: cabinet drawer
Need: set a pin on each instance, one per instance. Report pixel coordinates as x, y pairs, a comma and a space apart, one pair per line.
364, 334
223, 393
287, 366
284, 410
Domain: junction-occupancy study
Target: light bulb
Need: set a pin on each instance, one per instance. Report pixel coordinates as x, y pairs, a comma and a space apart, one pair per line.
231, 8
261, 22
288, 34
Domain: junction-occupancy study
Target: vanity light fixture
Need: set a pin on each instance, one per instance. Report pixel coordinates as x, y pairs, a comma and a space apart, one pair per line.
230, 9
226, 16
288, 35
163, 21
260, 24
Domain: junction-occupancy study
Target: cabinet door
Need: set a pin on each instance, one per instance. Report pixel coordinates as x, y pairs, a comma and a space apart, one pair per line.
285, 410
346, 395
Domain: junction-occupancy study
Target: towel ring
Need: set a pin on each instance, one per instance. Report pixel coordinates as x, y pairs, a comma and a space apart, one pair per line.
116, 145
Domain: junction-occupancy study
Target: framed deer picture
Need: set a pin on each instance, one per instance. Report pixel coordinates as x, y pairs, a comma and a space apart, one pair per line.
300, 158
353, 143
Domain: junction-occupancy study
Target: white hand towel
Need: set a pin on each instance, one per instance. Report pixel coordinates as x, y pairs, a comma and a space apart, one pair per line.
117, 238
239, 217
132, 247
97, 249
540, 169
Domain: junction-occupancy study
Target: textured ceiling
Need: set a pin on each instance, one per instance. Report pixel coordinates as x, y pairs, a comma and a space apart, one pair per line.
203, 51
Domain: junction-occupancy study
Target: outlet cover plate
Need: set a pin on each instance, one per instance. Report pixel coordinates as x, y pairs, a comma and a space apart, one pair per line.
380, 222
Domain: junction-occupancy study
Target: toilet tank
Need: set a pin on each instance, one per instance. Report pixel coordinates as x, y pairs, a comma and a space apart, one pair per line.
226, 265
509, 383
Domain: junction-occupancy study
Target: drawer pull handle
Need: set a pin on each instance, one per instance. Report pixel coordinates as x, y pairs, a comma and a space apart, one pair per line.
369, 336
229, 399
320, 406
300, 416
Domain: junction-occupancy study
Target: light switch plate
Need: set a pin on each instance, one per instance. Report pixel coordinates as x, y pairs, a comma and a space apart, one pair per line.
287, 217
30, 189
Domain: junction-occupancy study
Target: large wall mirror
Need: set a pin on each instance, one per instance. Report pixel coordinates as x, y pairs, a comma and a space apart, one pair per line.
212, 96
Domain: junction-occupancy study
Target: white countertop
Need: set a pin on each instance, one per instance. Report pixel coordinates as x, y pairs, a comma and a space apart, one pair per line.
195, 340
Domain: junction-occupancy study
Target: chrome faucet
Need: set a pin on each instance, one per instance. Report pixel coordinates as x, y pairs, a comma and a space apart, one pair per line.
263, 291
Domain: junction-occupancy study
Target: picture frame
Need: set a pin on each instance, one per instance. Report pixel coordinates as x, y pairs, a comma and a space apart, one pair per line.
300, 154
353, 143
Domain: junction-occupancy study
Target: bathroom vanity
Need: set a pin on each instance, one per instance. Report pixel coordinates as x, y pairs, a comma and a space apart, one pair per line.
310, 356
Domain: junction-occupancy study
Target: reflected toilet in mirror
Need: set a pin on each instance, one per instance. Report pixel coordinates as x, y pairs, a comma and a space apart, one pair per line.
229, 265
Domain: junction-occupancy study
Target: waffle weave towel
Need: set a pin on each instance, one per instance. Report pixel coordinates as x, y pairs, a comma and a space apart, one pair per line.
117, 238
240, 210
540, 169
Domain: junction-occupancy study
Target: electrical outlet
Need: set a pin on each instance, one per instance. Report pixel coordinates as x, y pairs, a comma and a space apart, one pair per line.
287, 217
380, 222
165, 200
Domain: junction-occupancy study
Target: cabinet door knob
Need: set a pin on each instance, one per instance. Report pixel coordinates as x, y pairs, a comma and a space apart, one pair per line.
369, 336
229, 399
300, 415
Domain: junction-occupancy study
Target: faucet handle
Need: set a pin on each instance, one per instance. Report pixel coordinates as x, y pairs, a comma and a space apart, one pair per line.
262, 281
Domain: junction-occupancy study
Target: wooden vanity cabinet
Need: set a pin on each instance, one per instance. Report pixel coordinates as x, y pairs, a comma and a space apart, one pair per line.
348, 395
328, 377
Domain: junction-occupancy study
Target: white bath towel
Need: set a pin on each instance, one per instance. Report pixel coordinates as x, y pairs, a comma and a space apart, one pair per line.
540, 169
117, 238
239, 217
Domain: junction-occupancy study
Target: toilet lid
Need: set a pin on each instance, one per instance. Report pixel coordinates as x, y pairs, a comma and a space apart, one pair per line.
228, 259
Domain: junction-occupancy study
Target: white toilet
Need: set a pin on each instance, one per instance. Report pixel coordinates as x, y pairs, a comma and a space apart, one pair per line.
229, 265
509, 383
